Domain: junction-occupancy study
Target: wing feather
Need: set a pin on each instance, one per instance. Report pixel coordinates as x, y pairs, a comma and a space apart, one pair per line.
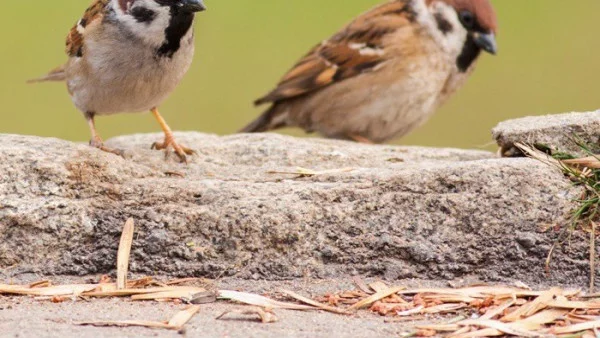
356, 49
75, 39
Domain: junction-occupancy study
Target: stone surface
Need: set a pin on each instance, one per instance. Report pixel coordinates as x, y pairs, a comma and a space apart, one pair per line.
556, 132
395, 212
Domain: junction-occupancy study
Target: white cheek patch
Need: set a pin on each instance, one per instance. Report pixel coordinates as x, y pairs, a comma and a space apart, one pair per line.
451, 41
456, 38
152, 33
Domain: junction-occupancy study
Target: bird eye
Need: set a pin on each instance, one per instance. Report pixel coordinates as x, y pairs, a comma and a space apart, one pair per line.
467, 19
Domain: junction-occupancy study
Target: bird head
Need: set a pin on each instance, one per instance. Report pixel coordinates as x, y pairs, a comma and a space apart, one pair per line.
160, 23
467, 27
479, 19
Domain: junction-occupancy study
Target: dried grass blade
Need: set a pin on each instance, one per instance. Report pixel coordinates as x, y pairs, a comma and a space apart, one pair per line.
591, 162
575, 318
518, 292
499, 292
361, 285
139, 283
410, 312
182, 293
183, 280
204, 297
266, 316
463, 330
549, 258
13, 289
439, 327
475, 292
40, 284
123, 253
378, 286
130, 292
125, 323
449, 298
571, 292
314, 303
254, 299
443, 308
522, 285
184, 316
309, 172
403, 319
490, 314
59, 290
500, 326
575, 328
536, 321
565, 304
534, 306
375, 297
592, 257
479, 333
538, 155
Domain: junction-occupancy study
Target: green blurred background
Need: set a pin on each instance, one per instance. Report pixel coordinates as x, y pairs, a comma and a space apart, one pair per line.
549, 62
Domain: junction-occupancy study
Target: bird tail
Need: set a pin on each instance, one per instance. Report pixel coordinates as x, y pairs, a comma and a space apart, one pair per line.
57, 74
271, 119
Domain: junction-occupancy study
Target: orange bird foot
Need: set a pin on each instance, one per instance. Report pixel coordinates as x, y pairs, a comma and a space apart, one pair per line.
170, 143
97, 143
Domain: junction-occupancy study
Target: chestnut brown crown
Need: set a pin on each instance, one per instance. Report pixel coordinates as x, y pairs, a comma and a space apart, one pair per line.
481, 11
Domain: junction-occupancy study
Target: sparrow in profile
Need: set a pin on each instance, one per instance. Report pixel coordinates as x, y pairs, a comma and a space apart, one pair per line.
385, 73
128, 56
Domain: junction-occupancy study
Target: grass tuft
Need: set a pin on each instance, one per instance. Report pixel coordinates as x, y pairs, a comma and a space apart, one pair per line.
585, 173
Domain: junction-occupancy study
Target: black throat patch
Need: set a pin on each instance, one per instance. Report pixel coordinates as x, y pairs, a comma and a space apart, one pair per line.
180, 24
468, 55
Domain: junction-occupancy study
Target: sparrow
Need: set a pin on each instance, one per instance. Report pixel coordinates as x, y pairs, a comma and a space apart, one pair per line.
385, 73
128, 56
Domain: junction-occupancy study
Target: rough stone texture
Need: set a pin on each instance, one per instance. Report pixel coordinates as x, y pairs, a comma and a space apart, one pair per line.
400, 213
554, 131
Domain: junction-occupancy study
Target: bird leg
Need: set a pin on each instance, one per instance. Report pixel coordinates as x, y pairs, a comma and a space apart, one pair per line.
96, 140
169, 141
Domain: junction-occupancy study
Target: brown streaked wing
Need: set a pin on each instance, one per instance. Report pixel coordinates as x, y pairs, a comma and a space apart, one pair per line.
354, 50
75, 38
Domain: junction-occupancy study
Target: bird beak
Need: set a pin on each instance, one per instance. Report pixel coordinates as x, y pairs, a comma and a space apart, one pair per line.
487, 42
193, 6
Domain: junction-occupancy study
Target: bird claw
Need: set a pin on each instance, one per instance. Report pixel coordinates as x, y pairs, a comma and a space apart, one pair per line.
360, 139
99, 144
179, 150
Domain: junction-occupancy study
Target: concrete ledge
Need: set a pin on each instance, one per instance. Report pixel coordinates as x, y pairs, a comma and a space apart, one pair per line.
400, 213
555, 132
